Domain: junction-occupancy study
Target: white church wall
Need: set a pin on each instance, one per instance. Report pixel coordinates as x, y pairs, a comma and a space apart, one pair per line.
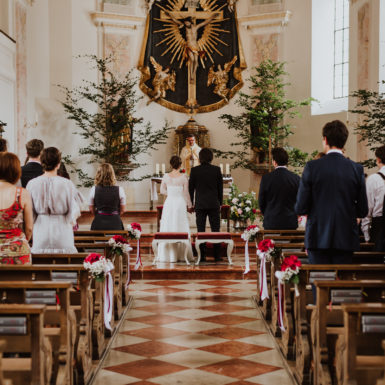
8, 89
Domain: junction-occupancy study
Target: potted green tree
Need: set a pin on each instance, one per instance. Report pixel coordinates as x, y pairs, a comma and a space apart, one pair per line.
115, 134
370, 127
263, 121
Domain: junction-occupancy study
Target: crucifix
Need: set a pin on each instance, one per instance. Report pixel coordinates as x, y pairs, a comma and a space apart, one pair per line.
193, 50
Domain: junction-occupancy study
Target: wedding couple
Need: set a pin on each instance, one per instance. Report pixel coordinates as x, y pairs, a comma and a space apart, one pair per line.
202, 194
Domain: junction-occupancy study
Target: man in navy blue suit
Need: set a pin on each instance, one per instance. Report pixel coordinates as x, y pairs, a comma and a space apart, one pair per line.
277, 194
333, 196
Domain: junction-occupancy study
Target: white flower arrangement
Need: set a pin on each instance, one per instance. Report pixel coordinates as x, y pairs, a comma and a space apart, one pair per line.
120, 245
134, 230
250, 233
97, 265
243, 206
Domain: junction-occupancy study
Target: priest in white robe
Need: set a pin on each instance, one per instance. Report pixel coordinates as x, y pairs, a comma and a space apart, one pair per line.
190, 154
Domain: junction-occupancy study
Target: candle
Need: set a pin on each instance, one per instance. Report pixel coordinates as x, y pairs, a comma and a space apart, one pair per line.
163, 168
157, 169
221, 167
227, 169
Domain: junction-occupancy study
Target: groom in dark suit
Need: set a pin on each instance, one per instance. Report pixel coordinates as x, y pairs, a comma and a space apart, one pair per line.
206, 186
332, 194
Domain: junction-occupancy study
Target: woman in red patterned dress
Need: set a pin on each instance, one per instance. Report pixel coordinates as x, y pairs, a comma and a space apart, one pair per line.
16, 219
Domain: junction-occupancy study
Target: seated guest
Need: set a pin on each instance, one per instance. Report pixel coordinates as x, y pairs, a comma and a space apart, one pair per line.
32, 167
107, 200
3, 145
278, 193
16, 219
55, 205
373, 225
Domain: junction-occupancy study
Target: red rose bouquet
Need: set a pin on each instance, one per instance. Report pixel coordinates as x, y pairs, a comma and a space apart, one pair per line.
134, 230
119, 244
97, 265
289, 270
268, 250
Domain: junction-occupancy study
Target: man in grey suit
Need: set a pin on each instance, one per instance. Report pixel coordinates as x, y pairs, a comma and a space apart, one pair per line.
332, 194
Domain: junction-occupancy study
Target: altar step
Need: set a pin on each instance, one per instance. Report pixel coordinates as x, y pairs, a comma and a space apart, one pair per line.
182, 271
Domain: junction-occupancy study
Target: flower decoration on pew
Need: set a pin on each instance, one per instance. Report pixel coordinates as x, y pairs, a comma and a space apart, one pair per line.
100, 269
250, 234
182, 171
289, 273
134, 232
289, 270
119, 245
268, 250
97, 265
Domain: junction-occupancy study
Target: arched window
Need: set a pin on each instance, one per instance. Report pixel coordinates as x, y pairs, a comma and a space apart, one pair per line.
330, 56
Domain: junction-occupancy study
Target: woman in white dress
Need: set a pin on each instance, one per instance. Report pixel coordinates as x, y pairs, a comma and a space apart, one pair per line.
56, 205
174, 215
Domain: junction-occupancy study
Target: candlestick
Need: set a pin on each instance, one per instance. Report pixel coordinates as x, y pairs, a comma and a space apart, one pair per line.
157, 168
163, 168
227, 169
221, 167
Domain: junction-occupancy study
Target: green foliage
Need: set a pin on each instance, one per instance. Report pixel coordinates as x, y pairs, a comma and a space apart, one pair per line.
298, 158
243, 206
114, 134
263, 122
371, 124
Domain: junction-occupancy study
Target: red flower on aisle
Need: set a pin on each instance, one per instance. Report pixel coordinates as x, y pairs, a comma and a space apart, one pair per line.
289, 270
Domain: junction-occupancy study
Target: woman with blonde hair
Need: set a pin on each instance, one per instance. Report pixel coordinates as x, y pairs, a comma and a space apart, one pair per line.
16, 219
107, 200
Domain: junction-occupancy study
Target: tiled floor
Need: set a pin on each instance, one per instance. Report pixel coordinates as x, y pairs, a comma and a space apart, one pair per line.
192, 333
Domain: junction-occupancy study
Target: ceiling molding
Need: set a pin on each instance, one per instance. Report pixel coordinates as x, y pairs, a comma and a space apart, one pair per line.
268, 21
113, 20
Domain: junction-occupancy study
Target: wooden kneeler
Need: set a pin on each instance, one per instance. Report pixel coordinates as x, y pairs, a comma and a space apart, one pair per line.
214, 238
173, 237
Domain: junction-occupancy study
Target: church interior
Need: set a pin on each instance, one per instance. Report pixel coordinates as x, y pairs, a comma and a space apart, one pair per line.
147, 86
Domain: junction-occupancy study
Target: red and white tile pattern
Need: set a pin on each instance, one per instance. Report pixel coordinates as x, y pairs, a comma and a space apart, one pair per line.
204, 332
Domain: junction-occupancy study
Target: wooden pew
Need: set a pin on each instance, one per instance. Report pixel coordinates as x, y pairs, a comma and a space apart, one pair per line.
90, 341
61, 337
324, 336
119, 278
359, 366
31, 370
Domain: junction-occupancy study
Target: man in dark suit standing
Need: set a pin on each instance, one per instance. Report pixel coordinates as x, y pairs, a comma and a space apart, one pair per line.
332, 194
278, 193
206, 186
33, 167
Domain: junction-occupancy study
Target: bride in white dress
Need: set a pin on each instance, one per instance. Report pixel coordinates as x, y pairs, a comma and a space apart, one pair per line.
174, 215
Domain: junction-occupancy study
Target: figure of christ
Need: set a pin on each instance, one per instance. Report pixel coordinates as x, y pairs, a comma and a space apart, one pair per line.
192, 47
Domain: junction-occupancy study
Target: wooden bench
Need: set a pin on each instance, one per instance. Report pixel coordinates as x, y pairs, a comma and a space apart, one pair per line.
36, 369
359, 366
90, 342
78, 258
327, 323
63, 336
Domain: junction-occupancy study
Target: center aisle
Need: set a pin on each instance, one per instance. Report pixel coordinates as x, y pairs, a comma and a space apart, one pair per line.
202, 332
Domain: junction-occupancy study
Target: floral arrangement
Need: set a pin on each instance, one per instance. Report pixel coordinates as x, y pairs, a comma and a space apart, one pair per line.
119, 244
289, 270
182, 171
97, 265
134, 230
243, 206
268, 250
250, 234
